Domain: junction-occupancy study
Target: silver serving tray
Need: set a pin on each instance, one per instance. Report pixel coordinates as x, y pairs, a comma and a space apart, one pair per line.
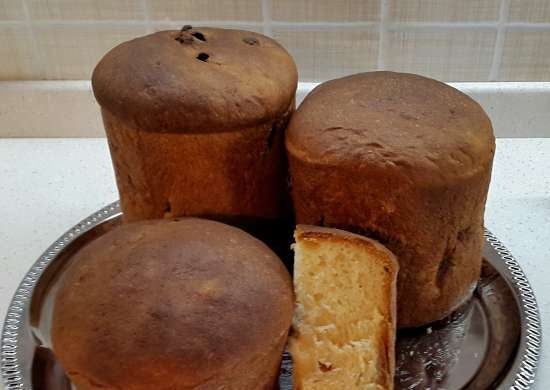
491, 342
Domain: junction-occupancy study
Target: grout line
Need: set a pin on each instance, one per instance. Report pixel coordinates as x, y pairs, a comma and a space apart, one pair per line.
382, 35
266, 16
85, 85
11, 23
37, 60
499, 41
323, 26
437, 26
528, 26
147, 15
293, 26
87, 23
111, 22
206, 23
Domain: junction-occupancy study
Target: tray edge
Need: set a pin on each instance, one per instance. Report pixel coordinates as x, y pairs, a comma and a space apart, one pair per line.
10, 366
523, 370
520, 376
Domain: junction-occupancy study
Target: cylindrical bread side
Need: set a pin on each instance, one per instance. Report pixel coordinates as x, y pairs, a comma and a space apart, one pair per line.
436, 233
195, 122
405, 160
241, 173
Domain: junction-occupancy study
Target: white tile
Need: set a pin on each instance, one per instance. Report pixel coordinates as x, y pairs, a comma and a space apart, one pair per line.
530, 11
11, 10
323, 55
443, 10
72, 51
447, 55
85, 9
526, 56
206, 10
325, 11
17, 56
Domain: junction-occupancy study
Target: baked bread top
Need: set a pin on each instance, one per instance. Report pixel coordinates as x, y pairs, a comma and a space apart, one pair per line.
176, 303
394, 121
196, 80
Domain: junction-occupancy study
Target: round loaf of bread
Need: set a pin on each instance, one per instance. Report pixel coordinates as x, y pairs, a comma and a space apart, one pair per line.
195, 121
169, 305
406, 160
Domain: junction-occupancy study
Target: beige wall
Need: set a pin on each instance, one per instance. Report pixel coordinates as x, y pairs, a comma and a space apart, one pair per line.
452, 40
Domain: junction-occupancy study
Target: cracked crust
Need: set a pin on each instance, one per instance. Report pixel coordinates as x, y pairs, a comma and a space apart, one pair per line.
393, 121
405, 160
182, 304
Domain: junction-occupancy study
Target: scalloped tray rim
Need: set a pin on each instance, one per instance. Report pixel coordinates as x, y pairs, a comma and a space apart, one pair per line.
519, 377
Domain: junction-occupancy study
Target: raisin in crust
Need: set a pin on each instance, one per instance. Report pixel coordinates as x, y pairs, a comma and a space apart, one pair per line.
195, 121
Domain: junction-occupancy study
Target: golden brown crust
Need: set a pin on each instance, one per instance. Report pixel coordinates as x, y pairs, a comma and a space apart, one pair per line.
322, 234
240, 173
173, 304
195, 138
360, 161
158, 83
406, 123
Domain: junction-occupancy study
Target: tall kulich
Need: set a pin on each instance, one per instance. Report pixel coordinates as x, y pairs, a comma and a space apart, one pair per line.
406, 160
195, 121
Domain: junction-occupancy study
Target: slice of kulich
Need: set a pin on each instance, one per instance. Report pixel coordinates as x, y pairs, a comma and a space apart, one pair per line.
343, 333
195, 121
166, 305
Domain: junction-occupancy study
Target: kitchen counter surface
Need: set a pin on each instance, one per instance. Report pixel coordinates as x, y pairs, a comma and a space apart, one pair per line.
48, 185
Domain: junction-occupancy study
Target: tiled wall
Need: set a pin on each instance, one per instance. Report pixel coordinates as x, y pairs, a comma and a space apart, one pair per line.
453, 40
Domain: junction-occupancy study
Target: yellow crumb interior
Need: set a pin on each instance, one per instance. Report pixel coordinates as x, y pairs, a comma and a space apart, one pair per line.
342, 317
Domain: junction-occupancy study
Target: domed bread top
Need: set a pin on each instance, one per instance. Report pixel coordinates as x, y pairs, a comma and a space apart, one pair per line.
393, 120
196, 80
170, 302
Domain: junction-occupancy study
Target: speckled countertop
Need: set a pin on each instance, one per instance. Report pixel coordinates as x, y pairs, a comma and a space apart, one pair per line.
47, 186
